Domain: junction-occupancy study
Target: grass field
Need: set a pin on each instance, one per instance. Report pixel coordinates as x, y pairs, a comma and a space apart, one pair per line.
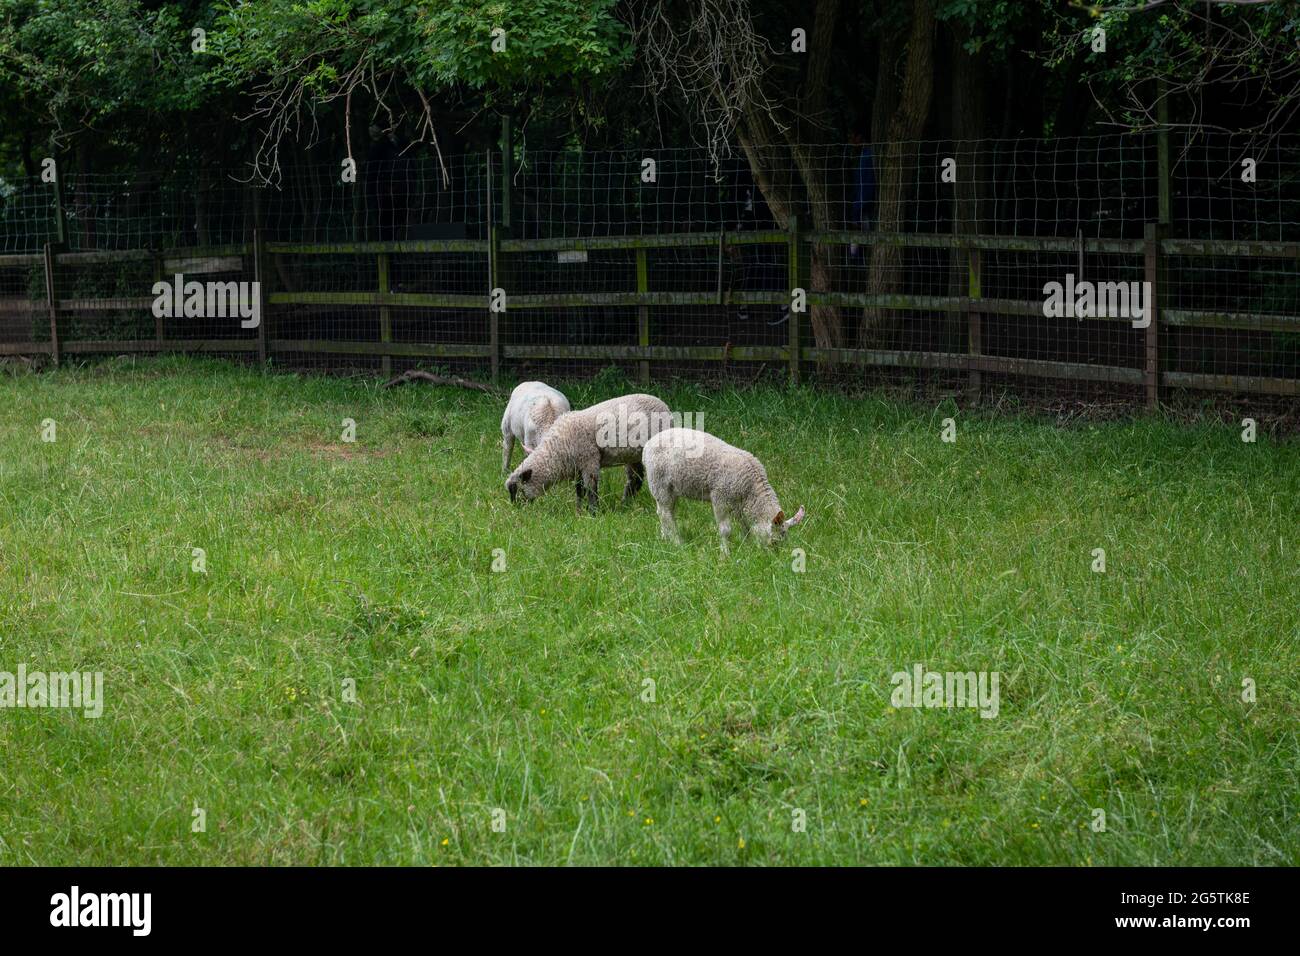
524, 690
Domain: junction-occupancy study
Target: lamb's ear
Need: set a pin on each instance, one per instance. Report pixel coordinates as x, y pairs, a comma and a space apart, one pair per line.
779, 519
525, 475
527, 450
798, 516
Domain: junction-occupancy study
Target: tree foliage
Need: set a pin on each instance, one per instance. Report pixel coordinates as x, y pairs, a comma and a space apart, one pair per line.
1218, 64
100, 65
297, 57
122, 74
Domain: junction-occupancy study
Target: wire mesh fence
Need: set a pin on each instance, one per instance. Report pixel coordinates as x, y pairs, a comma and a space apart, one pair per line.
924, 265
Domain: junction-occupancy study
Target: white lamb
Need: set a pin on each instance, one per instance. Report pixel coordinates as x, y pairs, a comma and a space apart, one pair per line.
685, 463
533, 408
580, 444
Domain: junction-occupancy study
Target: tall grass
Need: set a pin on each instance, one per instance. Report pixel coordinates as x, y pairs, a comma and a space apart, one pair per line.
527, 691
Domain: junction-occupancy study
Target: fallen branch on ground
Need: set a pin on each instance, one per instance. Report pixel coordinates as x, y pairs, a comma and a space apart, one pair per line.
418, 375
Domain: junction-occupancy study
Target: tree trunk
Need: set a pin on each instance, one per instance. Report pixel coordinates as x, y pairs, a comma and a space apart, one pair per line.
755, 134
885, 100
202, 234
29, 163
85, 196
905, 127
780, 169
827, 325
973, 174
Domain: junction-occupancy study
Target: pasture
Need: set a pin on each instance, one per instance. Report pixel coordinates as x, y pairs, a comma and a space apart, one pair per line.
524, 689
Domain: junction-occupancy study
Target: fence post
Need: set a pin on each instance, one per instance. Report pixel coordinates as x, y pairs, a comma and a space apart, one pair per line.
1151, 375
974, 343
494, 282
259, 276
60, 215
385, 313
792, 273
643, 313
52, 302
158, 263
1164, 197
507, 159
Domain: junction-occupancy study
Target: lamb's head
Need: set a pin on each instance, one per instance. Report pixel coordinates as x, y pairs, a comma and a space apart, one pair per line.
521, 480
774, 531
531, 478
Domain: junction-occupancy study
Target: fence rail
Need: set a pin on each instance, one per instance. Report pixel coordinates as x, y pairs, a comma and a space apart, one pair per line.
1150, 256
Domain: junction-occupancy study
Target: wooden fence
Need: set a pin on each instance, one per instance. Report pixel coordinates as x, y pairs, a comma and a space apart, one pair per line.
1151, 252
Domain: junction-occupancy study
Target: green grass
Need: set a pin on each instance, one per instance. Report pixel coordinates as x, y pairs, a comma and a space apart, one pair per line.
523, 690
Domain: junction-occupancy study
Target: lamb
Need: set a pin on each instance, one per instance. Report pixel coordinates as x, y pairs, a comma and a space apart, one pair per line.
686, 463
581, 443
533, 408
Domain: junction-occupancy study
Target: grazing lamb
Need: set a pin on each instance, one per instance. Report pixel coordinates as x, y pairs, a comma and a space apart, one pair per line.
580, 444
685, 463
533, 408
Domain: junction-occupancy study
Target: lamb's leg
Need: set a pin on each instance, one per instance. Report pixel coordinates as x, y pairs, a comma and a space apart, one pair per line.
722, 516
665, 506
591, 479
582, 493
635, 476
507, 449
